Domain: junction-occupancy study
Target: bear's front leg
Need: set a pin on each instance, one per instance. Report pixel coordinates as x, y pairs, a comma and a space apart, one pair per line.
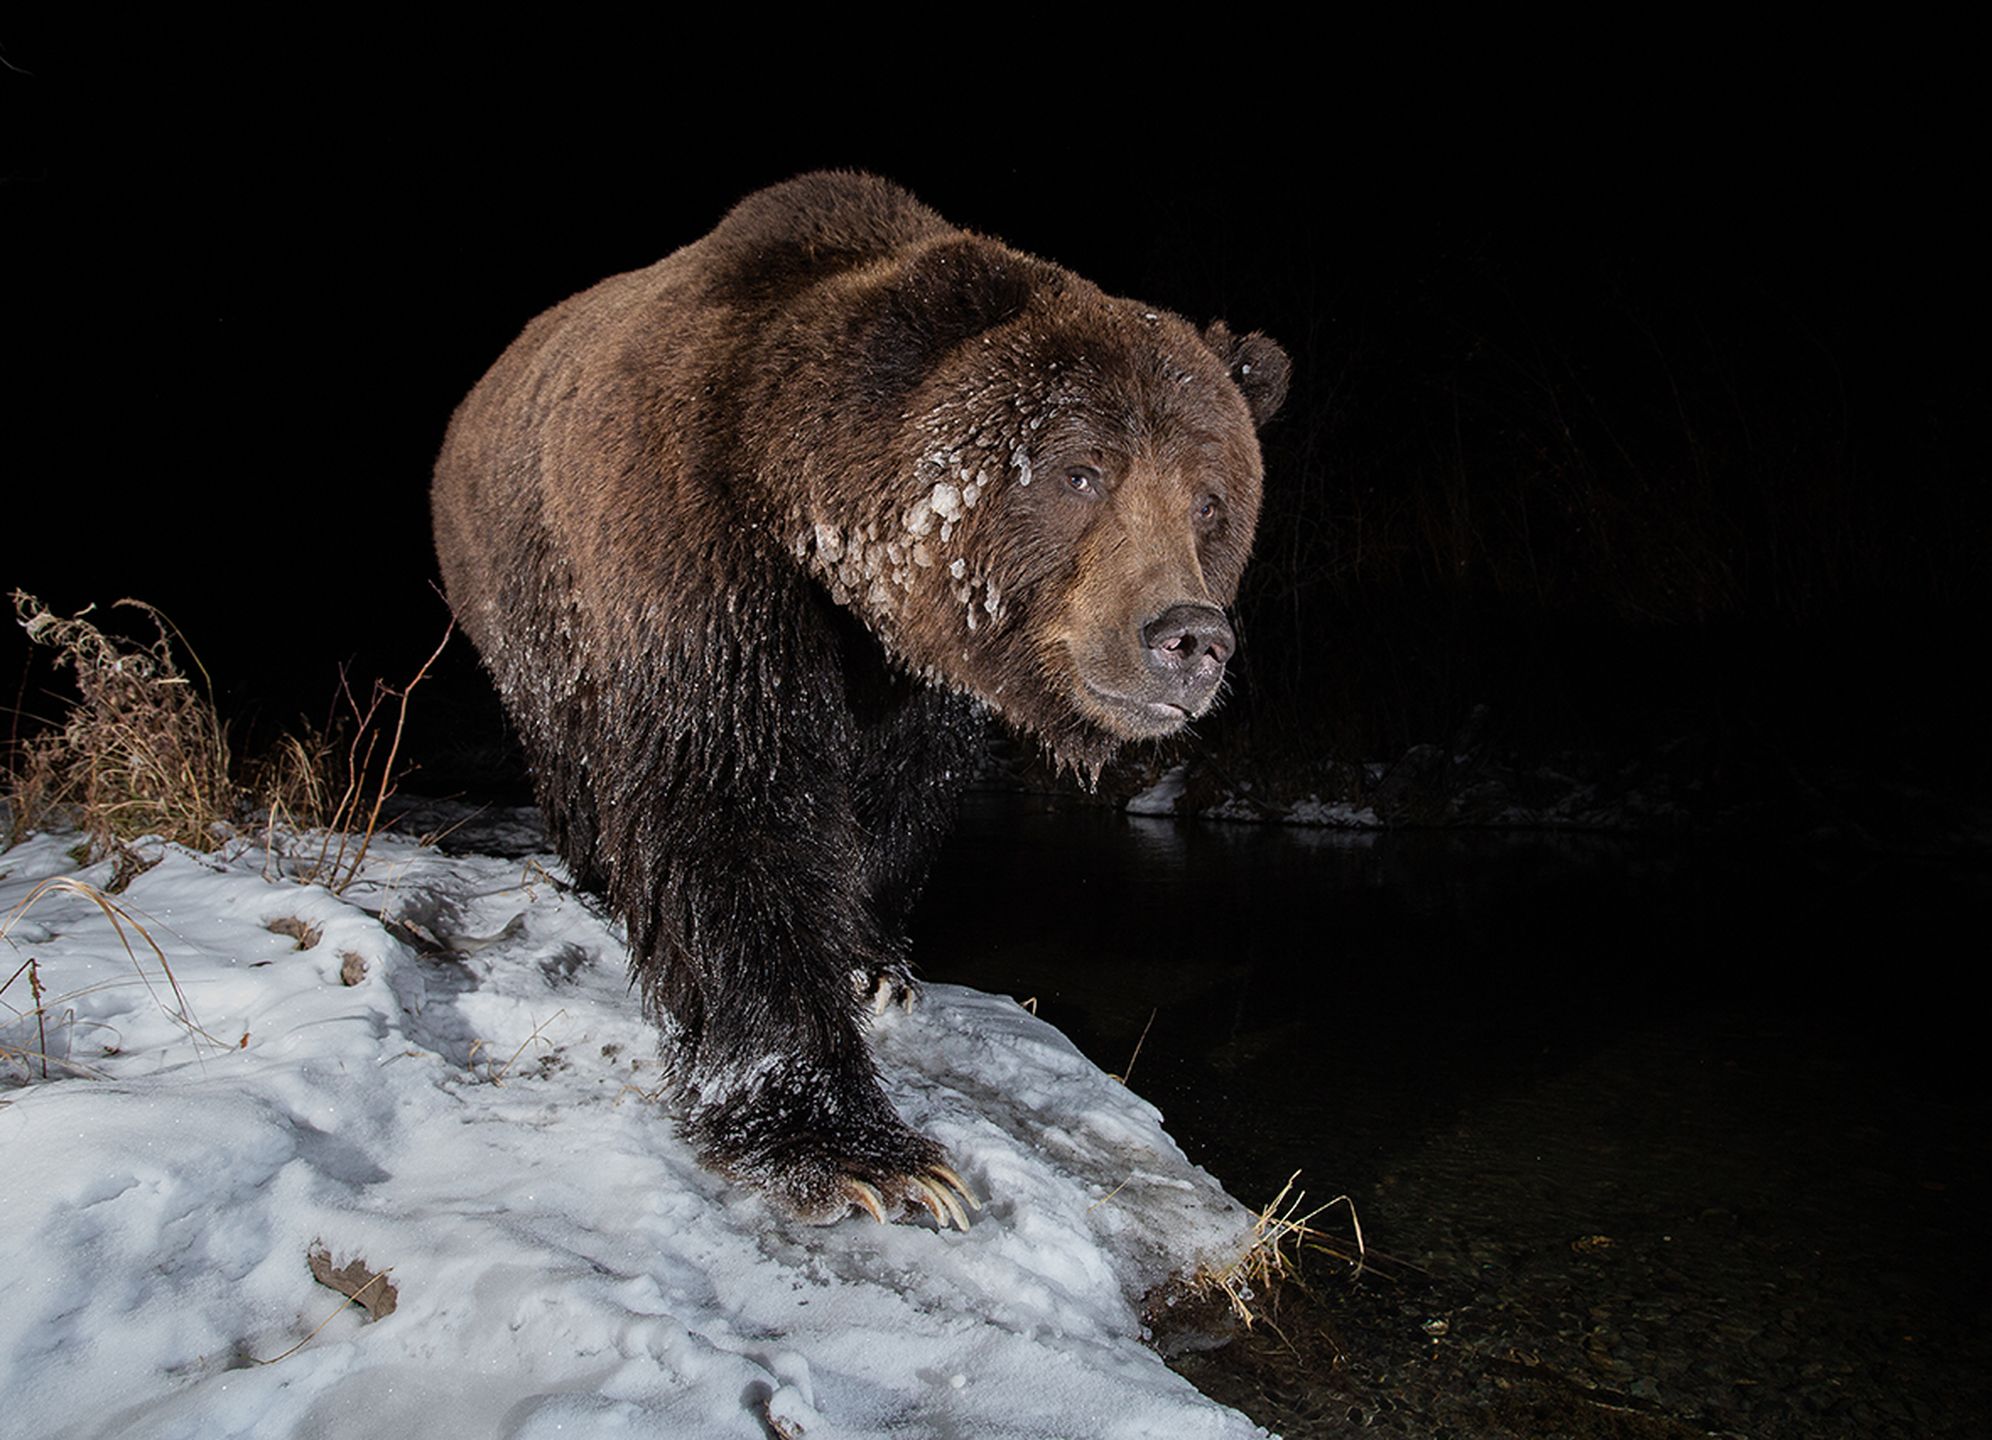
913, 747
740, 874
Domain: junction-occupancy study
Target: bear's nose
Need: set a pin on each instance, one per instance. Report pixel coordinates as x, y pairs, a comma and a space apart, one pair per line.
1188, 639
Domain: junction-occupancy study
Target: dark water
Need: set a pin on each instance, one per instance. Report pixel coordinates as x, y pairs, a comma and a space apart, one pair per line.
1647, 1139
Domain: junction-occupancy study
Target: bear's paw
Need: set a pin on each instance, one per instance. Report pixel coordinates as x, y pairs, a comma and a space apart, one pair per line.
819, 1149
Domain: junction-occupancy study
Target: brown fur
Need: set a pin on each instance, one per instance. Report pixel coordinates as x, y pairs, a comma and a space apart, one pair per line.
749, 538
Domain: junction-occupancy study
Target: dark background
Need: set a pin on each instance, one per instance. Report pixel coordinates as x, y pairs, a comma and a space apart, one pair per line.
1632, 408
1635, 428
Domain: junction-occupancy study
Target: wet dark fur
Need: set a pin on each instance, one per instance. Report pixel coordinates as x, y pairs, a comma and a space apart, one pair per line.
658, 518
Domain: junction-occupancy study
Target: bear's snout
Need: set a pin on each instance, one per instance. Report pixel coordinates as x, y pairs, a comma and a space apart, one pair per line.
1186, 647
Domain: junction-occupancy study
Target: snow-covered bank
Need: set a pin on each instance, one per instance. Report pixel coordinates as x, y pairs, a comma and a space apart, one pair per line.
478, 1112
1429, 786
1168, 796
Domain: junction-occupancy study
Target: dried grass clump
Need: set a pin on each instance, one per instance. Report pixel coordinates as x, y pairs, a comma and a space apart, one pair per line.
295, 782
141, 752
1280, 1235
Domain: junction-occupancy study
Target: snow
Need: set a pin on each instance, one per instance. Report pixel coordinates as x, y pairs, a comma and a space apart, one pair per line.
1165, 797
479, 1114
1338, 813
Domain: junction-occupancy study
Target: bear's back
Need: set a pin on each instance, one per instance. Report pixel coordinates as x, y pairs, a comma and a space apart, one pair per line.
803, 231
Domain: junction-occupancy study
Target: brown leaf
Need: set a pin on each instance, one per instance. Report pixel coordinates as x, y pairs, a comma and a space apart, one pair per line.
370, 1288
303, 931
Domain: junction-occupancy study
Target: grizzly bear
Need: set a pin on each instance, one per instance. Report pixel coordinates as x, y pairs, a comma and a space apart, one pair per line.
752, 541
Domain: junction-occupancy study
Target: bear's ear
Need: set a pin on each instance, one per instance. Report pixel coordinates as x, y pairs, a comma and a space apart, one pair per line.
1258, 367
948, 293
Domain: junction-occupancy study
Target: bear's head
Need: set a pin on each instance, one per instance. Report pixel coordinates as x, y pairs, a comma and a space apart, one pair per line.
1076, 480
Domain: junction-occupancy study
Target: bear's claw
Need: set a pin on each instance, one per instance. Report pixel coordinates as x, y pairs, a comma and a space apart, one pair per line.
866, 1198
945, 1209
888, 986
938, 1190
959, 1184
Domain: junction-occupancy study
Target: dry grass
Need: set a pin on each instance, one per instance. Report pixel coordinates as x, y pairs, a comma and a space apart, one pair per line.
45, 1007
141, 752
1139, 1042
1282, 1233
292, 780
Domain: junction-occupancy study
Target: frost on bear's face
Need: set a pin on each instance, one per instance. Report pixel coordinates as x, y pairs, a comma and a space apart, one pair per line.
1075, 519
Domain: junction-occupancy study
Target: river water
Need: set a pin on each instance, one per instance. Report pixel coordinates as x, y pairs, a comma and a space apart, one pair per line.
1646, 1137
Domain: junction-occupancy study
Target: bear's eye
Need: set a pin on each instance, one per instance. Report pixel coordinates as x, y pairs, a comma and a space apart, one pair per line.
1208, 509
1083, 480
